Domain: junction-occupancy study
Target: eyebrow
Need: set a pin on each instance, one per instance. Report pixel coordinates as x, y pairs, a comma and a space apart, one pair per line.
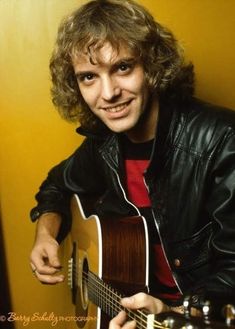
126, 60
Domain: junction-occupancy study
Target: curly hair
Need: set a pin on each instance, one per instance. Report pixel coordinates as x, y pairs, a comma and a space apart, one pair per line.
119, 22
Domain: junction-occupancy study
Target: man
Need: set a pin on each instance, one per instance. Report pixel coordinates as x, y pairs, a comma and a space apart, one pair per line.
151, 148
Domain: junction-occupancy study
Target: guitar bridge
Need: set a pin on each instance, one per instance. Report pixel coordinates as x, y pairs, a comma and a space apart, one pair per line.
70, 273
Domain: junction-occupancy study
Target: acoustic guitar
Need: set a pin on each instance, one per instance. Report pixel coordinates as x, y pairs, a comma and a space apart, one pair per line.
110, 259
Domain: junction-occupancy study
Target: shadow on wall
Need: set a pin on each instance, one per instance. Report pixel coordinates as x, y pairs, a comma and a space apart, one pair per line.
5, 301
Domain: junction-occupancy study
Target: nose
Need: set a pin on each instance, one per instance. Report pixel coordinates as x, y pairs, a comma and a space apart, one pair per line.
110, 89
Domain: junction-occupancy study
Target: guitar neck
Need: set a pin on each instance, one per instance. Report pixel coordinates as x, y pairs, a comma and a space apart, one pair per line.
103, 295
109, 301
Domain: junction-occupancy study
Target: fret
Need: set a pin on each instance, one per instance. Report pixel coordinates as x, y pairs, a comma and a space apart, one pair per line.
150, 321
103, 295
107, 300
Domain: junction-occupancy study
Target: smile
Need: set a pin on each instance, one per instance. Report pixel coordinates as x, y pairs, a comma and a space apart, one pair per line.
117, 108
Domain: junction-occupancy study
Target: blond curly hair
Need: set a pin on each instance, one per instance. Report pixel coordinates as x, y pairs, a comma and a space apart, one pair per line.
119, 22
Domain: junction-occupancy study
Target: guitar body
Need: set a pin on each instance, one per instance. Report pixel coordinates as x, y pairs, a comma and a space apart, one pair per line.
110, 259
116, 250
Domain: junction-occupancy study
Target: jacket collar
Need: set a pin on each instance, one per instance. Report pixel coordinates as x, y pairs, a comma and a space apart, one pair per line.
110, 149
162, 137
167, 131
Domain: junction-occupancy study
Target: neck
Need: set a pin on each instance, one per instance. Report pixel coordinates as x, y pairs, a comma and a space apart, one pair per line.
109, 300
145, 129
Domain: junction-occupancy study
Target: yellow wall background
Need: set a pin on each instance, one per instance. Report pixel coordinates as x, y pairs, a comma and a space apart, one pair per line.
34, 138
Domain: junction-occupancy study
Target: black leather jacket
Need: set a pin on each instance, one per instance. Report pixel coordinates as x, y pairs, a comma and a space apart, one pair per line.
191, 183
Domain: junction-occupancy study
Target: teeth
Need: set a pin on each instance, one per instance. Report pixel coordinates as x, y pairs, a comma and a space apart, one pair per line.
116, 108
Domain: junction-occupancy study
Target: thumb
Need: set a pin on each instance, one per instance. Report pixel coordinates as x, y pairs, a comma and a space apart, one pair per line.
53, 258
130, 302
143, 301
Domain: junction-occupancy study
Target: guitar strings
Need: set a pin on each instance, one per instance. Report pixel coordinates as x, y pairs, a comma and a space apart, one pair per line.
102, 290
134, 316
115, 302
96, 284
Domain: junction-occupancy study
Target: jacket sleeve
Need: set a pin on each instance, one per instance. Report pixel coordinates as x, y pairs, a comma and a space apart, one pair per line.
220, 285
76, 175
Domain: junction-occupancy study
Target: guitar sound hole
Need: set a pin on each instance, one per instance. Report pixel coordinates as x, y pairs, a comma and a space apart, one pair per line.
84, 288
82, 293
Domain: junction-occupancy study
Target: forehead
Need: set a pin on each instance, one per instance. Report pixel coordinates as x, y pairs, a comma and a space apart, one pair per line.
104, 54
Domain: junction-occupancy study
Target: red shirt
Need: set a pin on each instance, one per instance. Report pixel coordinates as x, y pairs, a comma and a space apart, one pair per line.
136, 162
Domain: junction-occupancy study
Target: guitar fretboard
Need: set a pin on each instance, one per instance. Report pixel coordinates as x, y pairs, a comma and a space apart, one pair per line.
108, 299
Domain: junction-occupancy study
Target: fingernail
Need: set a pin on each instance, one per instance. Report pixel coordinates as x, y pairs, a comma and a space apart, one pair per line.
58, 269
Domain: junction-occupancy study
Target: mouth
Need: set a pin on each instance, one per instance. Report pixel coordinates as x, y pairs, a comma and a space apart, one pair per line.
117, 108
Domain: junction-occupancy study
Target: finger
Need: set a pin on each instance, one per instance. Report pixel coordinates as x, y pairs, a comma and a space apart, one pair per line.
137, 301
142, 301
46, 262
53, 259
49, 279
129, 325
34, 269
119, 322
46, 278
43, 268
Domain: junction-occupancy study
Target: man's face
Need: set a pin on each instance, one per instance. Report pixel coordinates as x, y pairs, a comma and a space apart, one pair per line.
113, 86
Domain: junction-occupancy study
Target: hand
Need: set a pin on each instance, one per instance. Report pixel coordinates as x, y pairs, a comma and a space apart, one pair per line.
139, 301
120, 322
44, 258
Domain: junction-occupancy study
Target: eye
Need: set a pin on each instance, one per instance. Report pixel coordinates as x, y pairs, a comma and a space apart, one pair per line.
86, 78
123, 67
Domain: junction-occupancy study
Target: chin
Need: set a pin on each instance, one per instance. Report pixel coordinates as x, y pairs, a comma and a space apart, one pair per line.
122, 127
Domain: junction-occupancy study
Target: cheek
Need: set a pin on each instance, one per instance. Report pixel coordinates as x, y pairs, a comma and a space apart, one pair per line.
137, 84
89, 95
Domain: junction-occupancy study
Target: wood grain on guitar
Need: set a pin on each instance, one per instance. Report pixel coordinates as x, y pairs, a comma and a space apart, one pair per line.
110, 259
